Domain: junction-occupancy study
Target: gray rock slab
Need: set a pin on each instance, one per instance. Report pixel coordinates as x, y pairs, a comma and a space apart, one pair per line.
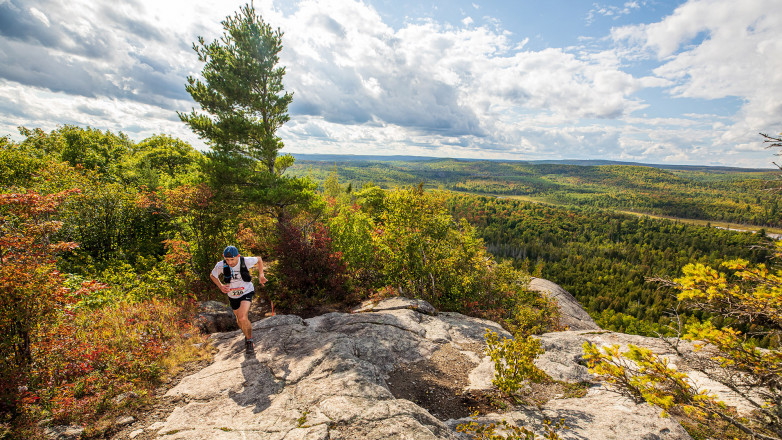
573, 316
321, 378
325, 378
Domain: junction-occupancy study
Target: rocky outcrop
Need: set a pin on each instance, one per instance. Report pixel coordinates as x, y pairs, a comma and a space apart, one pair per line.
573, 316
215, 317
372, 375
562, 359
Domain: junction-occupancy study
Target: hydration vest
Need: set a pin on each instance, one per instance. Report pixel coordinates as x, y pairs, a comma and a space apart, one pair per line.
243, 271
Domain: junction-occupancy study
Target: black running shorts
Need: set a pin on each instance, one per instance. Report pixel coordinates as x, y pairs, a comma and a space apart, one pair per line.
236, 302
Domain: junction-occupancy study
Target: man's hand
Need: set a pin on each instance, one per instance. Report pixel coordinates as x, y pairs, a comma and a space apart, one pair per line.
225, 288
259, 266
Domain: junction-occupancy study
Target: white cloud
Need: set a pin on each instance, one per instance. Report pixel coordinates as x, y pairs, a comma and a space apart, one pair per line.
40, 16
611, 11
713, 49
447, 88
420, 87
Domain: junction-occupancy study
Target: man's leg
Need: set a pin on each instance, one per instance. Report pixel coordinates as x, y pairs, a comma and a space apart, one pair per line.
243, 320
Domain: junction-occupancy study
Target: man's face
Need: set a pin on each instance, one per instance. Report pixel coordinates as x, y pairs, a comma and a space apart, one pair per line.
232, 260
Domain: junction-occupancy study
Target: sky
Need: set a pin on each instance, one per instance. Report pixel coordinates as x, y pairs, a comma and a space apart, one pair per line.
651, 81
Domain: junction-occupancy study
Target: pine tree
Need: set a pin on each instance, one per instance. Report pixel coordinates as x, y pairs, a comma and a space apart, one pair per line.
242, 94
244, 103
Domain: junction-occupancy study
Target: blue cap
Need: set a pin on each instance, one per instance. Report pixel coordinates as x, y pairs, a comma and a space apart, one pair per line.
231, 252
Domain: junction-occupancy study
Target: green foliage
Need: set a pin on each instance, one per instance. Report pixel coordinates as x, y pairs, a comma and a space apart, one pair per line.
406, 240
126, 284
418, 244
602, 257
89, 149
17, 166
690, 192
331, 187
513, 361
163, 161
242, 89
282, 195
110, 222
352, 231
200, 219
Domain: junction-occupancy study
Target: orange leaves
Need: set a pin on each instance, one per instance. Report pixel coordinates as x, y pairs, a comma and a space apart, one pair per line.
178, 252
31, 204
186, 198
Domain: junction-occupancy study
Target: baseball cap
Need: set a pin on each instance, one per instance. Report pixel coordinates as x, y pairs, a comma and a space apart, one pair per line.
230, 252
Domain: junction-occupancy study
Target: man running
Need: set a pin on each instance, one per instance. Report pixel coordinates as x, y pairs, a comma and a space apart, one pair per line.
237, 284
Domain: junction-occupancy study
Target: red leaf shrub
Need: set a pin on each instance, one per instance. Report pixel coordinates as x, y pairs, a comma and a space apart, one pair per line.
31, 289
83, 362
308, 269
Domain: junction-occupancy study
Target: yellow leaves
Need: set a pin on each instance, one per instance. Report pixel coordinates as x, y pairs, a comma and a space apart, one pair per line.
700, 282
643, 376
750, 293
507, 431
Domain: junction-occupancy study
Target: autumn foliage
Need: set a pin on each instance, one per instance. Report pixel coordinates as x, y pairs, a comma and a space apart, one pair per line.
61, 359
31, 288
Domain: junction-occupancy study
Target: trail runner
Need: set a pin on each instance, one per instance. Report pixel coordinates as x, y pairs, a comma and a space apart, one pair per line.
239, 288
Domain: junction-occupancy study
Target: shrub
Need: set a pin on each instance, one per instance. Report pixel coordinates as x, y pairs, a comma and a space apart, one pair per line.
307, 269
84, 361
513, 361
31, 289
506, 431
352, 231
406, 240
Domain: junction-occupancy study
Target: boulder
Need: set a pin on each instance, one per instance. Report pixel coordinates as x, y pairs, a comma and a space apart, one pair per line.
64, 432
124, 420
372, 375
214, 317
573, 316
396, 303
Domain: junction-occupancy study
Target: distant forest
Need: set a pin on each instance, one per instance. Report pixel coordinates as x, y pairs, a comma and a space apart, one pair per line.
564, 223
702, 193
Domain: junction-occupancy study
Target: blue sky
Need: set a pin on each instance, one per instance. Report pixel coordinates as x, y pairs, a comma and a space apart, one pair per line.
680, 82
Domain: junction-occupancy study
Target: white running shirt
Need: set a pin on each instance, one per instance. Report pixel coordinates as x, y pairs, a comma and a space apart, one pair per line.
236, 276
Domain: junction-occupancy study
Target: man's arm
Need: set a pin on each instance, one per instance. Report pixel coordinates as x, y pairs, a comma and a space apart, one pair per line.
259, 265
223, 287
